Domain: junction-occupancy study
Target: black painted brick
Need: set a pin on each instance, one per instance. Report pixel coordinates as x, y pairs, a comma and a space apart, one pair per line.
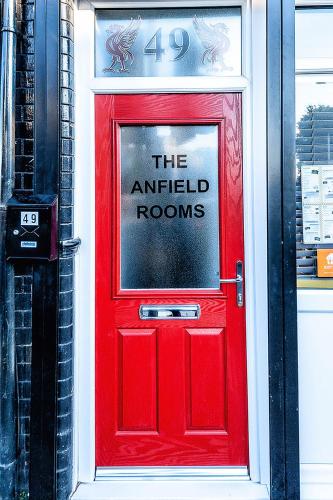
65, 387
66, 79
27, 318
19, 319
67, 29
67, 63
65, 352
63, 436
28, 11
66, 231
24, 425
24, 163
67, 164
24, 388
66, 215
22, 301
67, 130
66, 197
67, 114
23, 336
25, 62
66, 317
23, 353
65, 422
66, 336
67, 47
65, 300
27, 112
66, 181
28, 149
64, 458
66, 367
24, 129
66, 266
24, 96
65, 405
62, 483
67, 12
23, 281
67, 96
66, 282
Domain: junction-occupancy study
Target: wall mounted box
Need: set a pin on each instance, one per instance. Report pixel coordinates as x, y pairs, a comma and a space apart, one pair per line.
32, 222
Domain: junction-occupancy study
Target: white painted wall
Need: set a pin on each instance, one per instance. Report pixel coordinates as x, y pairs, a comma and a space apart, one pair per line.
315, 351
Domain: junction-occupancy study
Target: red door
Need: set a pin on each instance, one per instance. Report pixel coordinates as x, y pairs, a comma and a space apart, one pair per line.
170, 338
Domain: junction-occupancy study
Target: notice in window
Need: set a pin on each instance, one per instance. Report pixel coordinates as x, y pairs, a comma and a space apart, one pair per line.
317, 204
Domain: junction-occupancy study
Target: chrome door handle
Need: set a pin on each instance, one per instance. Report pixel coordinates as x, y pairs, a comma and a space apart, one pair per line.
238, 281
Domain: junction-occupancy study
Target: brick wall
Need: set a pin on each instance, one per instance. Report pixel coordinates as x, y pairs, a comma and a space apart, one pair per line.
24, 172
24, 168
65, 367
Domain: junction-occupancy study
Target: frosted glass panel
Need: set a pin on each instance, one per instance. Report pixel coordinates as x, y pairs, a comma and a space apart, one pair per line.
168, 42
169, 207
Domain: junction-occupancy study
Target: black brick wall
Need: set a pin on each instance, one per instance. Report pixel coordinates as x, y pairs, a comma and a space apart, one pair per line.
65, 367
24, 168
24, 171
24, 161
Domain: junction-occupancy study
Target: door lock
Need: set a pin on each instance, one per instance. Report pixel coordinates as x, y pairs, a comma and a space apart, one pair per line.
239, 283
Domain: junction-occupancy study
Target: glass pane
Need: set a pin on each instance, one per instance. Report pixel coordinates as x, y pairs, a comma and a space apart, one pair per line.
314, 148
168, 42
314, 38
169, 207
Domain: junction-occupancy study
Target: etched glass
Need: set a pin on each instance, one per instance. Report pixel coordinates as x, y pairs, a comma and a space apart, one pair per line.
169, 207
168, 42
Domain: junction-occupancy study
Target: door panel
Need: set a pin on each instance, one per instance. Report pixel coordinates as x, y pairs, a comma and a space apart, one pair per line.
137, 375
205, 388
169, 391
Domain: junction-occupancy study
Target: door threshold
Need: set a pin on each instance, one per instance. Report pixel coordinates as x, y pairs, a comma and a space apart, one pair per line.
239, 473
161, 489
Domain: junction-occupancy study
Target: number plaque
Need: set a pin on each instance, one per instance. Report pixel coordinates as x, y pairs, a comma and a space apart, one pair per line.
165, 42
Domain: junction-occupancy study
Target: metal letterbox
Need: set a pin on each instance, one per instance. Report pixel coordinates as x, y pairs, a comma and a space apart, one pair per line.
32, 227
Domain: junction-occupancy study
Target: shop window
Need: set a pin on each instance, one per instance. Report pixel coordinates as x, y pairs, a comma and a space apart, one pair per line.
314, 39
168, 42
314, 147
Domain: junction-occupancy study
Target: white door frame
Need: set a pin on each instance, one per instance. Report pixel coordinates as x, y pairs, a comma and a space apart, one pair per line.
253, 87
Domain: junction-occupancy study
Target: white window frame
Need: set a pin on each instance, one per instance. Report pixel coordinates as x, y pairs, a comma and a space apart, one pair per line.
252, 85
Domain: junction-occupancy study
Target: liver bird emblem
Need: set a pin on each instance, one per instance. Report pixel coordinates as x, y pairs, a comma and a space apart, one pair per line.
214, 39
118, 43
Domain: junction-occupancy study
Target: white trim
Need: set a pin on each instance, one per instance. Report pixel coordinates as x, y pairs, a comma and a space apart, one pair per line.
313, 3
172, 84
317, 473
255, 219
310, 301
109, 4
316, 481
171, 473
171, 490
84, 386
254, 121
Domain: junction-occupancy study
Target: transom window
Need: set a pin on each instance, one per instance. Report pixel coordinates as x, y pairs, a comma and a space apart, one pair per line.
168, 42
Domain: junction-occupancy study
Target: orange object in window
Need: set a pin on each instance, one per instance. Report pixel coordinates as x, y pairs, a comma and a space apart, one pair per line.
325, 263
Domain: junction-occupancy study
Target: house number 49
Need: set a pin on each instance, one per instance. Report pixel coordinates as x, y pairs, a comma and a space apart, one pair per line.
179, 40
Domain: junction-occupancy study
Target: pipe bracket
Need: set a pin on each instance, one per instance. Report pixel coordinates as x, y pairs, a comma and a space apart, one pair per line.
70, 246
